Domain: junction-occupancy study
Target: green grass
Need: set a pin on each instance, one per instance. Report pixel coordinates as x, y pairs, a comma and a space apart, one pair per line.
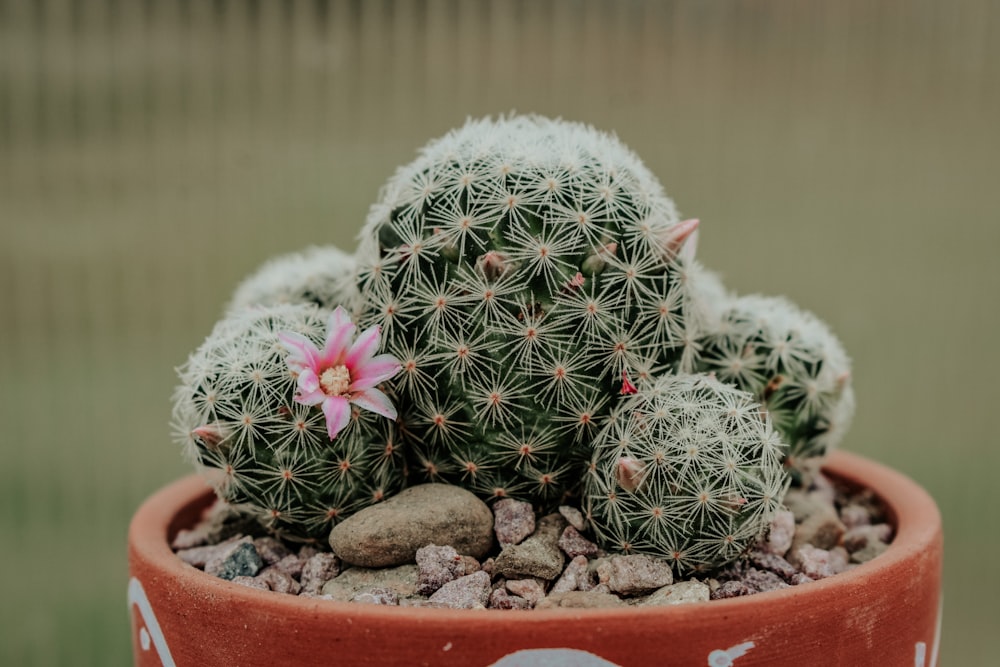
843, 154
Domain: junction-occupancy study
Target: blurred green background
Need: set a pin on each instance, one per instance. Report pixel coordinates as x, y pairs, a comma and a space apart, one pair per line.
844, 153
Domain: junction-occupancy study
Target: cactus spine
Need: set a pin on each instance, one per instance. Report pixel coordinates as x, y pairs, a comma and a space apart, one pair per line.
236, 415
687, 469
522, 269
320, 275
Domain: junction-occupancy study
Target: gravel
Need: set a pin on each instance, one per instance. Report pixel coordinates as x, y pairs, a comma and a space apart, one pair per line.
509, 558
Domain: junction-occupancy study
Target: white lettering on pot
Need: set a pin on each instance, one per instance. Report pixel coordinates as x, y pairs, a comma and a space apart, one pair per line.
149, 629
725, 658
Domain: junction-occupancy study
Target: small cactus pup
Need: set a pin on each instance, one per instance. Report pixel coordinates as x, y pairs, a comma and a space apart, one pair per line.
321, 275
283, 413
795, 367
523, 270
687, 469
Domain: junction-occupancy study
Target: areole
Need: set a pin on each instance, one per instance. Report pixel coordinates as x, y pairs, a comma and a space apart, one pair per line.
885, 612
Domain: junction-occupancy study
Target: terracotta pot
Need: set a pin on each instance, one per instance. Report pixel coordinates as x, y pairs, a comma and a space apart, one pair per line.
885, 612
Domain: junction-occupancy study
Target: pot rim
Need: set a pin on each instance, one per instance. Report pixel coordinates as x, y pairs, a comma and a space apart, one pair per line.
912, 512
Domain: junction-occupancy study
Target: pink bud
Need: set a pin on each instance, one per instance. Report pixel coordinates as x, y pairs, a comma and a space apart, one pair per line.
208, 435
627, 386
678, 235
629, 473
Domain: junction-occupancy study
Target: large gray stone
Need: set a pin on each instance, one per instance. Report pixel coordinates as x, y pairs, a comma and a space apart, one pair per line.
390, 532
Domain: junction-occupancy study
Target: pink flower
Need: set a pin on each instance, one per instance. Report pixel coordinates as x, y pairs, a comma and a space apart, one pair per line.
344, 372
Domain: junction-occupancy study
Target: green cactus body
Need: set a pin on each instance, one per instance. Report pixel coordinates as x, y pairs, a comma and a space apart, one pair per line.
520, 269
321, 275
235, 415
687, 469
791, 362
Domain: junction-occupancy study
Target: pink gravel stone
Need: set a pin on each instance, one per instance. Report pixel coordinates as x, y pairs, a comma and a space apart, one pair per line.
501, 599
383, 596
853, 516
574, 544
779, 536
861, 536
319, 569
469, 592
278, 581
634, 574
513, 520
814, 563
574, 517
575, 577
199, 556
271, 550
529, 589
437, 566
251, 582
470, 565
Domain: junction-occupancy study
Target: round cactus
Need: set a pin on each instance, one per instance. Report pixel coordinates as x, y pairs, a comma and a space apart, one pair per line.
795, 367
687, 469
321, 275
239, 414
523, 270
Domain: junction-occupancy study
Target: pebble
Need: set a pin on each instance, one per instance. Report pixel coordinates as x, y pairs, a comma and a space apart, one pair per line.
867, 552
574, 544
251, 582
861, 536
634, 574
683, 592
575, 577
580, 600
538, 556
815, 563
762, 581
773, 563
501, 599
271, 550
469, 592
513, 520
531, 590
853, 516
199, 556
780, 534
291, 565
241, 560
574, 517
385, 596
470, 564
278, 581
821, 529
317, 570
389, 533
437, 566
401, 579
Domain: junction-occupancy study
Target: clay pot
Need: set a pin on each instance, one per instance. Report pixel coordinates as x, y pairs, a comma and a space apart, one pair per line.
885, 612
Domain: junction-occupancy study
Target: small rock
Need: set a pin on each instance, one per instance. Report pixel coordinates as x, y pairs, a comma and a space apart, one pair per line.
869, 551
390, 532
271, 550
307, 551
278, 581
470, 565
580, 600
575, 577
486, 566
773, 563
574, 544
317, 570
469, 592
682, 592
854, 515
822, 529
199, 556
437, 566
732, 589
241, 560
634, 574
501, 599
531, 590
762, 581
251, 582
779, 536
402, 580
813, 562
385, 596
800, 579
538, 556
423, 603
513, 520
861, 536
574, 517
291, 565
803, 504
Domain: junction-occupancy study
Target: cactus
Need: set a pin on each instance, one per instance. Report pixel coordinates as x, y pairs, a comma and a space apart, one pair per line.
524, 270
795, 367
687, 469
239, 417
322, 275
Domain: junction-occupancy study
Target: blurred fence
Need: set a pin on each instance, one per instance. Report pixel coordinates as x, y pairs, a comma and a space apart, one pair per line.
152, 153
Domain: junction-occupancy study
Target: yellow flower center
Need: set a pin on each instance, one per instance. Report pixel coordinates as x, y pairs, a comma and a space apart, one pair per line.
335, 380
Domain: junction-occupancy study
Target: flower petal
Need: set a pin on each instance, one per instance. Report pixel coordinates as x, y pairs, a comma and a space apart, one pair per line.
338, 414
301, 351
376, 401
364, 347
341, 330
310, 393
378, 369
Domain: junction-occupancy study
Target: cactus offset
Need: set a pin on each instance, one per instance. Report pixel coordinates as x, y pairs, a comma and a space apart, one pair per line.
791, 362
322, 275
239, 415
687, 469
522, 270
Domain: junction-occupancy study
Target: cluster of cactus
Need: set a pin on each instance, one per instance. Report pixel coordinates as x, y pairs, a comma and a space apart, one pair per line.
554, 336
